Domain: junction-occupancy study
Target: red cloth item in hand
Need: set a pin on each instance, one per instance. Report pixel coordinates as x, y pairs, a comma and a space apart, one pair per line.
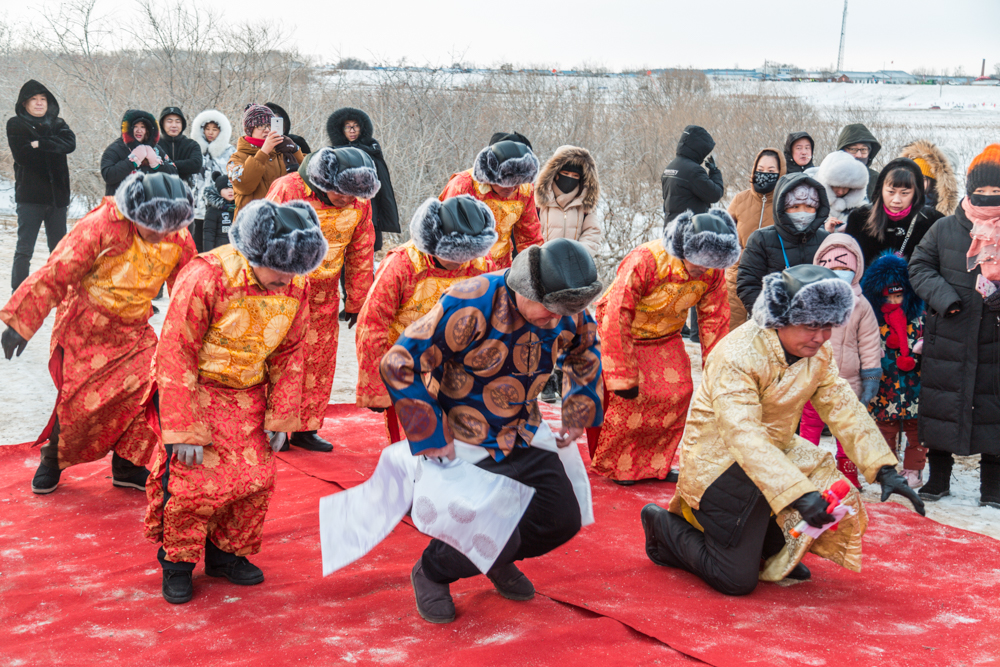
897, 339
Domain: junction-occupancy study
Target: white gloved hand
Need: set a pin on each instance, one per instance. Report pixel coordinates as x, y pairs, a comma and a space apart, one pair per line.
277, 439
189, 455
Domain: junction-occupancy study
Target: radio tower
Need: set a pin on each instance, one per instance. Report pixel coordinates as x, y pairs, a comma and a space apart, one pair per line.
843, 33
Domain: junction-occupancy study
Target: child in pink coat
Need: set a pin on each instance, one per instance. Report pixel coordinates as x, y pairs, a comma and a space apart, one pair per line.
857, 345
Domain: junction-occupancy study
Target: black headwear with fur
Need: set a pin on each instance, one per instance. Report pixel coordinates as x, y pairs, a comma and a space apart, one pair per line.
707, 239
344, 171
560, 275
160, 202
460, 229
282, 237
506, 163
805, 294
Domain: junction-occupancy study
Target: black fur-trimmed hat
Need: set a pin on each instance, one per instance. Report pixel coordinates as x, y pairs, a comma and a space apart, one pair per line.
804, 294
560, 275
506, 163
706, 239
160, 202
282, 237
460, 229
343, 171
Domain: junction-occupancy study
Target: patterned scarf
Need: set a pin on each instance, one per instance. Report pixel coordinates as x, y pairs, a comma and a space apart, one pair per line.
985, 248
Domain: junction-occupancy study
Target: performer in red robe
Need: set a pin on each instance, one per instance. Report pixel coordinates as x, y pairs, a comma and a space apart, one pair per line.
102, 277
646, 368
448, 244
337, 183
229, 365
502, 178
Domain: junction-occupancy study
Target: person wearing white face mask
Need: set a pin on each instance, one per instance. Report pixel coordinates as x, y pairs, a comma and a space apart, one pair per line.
800, 211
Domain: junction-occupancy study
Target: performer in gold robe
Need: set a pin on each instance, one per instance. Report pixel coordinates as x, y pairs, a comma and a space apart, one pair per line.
741, 460
103, 277
229, 365
337, 183
448, 244
646, 368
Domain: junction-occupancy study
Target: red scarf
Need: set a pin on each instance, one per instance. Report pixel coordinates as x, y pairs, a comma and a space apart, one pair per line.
897, 338
259, 143
985, 248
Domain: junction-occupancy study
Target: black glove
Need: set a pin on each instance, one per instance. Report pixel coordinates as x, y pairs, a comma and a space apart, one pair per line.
710, 163
376, 409
11, 342
350, 318
812, 506
892, 482
993, 301
629, 394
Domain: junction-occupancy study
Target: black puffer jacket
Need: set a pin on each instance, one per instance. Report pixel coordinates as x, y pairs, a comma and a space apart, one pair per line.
790, 166
41, 175
115, 165
385, 215
183, 151
768, 248
857, 133
921, 217
685, 184
960, 373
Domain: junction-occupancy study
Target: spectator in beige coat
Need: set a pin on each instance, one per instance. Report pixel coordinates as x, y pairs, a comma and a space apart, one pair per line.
566, 194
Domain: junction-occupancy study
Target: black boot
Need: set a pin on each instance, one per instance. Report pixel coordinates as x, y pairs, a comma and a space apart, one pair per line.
309, 440
237, 569
126, 474
177, 586
989, 481
434, 603
549, 393
938, 483
511, 583
46, 479
799, 573
648, 516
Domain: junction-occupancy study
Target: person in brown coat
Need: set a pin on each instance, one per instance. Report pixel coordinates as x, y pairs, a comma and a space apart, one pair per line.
566, 193
752, 211
259, 157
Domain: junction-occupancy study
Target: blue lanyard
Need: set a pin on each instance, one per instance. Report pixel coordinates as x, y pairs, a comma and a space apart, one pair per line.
782, 242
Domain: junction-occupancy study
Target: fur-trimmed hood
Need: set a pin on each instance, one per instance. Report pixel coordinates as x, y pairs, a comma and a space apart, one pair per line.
510, 173
946, 182
218, 147
436, 236
840, 170
782, 166
825, 300
563, 156
265, 240
165, 214
712, 248
786, 184
335, 125
889, 269
560, 275
133, 116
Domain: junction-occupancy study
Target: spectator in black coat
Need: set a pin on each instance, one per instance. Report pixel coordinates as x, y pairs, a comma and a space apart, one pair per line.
858, 141
799, 149
290, 162
220, 209
135, 150
353, 127
686, 186
790, 241
39, 142
183, 151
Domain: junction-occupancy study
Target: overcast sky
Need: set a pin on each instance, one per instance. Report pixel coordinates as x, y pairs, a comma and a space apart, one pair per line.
618, 34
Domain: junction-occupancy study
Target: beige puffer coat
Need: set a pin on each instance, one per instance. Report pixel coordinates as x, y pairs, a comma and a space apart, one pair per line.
857, 344
570, 215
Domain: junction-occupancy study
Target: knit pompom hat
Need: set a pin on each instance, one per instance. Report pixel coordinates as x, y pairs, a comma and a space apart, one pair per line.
984, 171
802, 194
256, 115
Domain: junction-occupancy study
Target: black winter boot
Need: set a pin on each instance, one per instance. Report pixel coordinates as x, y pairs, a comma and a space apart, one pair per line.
511, 583
127, 475
177, 586
237, 569
938, 483
434, 603
989, 481
46, 479
310, 441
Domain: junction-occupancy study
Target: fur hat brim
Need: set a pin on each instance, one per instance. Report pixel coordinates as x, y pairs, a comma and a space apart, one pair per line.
709, 249
298, 252
324, 172
507, 174
158, 214
525, 278
822, 303
426, 230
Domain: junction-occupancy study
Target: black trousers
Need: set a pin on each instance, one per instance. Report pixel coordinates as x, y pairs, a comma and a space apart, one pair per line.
739, 531
120, 467
551, 520
30, 218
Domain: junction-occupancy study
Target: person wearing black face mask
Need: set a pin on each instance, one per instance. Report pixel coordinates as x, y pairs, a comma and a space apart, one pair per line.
752, 210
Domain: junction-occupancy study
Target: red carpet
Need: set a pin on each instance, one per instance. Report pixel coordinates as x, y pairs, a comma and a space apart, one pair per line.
79, 586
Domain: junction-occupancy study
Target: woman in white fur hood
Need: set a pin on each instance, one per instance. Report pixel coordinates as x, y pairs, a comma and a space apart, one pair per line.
213, 132
846, 181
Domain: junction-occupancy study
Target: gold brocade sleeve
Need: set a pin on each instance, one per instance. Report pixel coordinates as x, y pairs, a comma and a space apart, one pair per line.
713, 314
635, 276
393, 286
527, 231
850, 423
285, 367
736, 402
188, 252
359, 262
